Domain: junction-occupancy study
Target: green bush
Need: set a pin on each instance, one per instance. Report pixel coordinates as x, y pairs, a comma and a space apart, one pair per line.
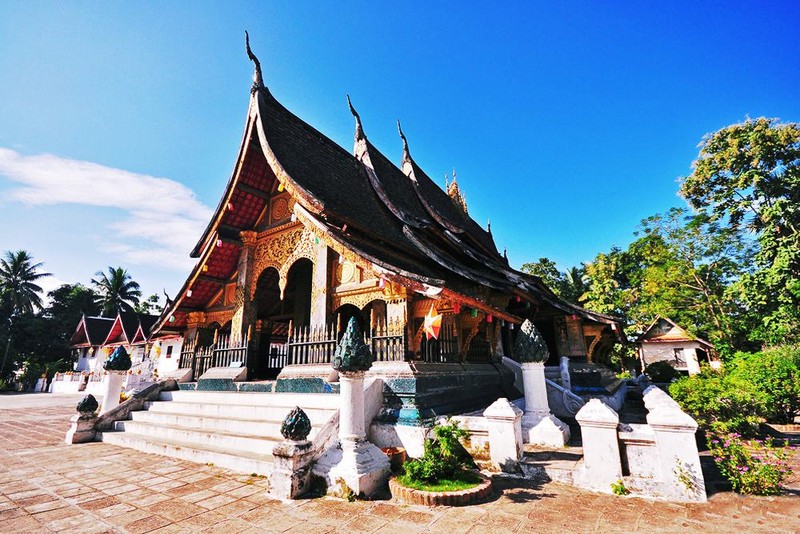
720, 401
752, 466
661, 372
444, 457
776, 374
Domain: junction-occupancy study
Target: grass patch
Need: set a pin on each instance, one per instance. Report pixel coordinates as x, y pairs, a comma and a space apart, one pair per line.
464, 480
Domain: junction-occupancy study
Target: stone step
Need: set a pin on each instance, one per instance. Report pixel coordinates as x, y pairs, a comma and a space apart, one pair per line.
242, 427
317, 416
557, 465
288, 400
239, 461
215, 439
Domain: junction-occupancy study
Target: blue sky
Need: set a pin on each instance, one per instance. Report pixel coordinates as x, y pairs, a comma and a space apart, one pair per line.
567, 122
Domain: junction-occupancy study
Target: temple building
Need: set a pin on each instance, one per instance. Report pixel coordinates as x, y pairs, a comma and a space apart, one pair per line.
308, 235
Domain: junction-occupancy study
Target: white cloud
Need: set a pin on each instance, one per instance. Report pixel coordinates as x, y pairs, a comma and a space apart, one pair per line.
162, 218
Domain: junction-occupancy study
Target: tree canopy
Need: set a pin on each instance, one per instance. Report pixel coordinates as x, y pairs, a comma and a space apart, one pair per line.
747, 179
726, 268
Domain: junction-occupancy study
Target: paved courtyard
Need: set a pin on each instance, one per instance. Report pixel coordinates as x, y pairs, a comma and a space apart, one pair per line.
46, 485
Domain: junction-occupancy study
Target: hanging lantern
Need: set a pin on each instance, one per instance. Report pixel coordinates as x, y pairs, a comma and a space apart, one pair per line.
172, 318
280, 187
219, 242
188, 292
381, 282
473, 312
205, 268
518, 298
489, 318
456, 307
230, 206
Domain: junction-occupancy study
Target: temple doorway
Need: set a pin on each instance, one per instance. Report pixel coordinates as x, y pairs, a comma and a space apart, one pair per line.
275, 315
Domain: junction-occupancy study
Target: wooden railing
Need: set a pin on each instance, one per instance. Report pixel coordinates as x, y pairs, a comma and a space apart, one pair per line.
224, 352
317, 345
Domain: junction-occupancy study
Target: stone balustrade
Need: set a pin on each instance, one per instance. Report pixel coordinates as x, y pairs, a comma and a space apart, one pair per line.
659, 459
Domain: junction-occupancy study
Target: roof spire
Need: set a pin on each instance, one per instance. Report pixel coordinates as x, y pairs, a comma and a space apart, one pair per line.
489, 225
455, 194
359, 128
258, 80
406, 153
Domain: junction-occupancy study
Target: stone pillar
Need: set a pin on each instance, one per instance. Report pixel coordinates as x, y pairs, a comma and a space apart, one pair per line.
505, 434
82, 428
678, 459
319, 284
244, 315
351, 416
291, 477
602, 465
113, 387
354, 461
539, 426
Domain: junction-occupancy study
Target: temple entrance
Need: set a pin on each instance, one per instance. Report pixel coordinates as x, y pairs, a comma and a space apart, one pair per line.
275, 316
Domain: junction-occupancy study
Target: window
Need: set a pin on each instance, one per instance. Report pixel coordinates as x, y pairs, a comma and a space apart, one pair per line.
169, 351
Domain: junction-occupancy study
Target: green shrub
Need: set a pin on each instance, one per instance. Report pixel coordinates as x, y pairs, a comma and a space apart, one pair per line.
444, 457
776, 374
661, 372
752, 466
720, 401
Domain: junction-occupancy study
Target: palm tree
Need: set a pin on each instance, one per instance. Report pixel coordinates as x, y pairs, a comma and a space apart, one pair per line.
18, 289
117, 291
17, 276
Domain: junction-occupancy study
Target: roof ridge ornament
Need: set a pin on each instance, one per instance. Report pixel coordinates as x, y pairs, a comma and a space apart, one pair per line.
359, 128
258, 79
406, 152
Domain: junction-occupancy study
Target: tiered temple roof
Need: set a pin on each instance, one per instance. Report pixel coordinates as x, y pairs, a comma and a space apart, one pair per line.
400, 221
91, 331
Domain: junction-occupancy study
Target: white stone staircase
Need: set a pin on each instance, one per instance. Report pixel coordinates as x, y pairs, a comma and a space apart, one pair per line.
228, 429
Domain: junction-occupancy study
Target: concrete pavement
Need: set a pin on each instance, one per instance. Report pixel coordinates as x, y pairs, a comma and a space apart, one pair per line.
48, 486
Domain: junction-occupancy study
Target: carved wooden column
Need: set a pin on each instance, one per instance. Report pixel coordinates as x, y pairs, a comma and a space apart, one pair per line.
244, 316
319, 285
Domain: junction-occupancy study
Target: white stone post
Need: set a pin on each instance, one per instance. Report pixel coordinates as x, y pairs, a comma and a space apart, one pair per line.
354, 461
364, 467
602, 465
539, 426
505, 434
351, 416
113, 387
678, 459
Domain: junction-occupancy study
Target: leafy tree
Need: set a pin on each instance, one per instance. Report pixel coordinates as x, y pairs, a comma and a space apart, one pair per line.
569, 285
547, 270
149, 305
67, 304
775, 373
117, 291
747, 177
